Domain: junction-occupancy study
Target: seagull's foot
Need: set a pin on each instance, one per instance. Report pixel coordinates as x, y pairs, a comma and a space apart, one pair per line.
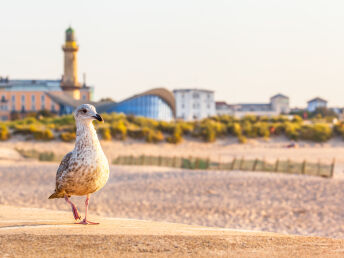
75, 213
87, 222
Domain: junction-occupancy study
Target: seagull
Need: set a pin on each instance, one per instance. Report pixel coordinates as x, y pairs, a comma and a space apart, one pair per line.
84, 170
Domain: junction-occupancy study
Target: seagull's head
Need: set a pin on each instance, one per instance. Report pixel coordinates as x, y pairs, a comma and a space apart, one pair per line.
87, 112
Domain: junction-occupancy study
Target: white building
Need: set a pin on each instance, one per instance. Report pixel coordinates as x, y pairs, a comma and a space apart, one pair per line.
316, 103
194, 104
279, 104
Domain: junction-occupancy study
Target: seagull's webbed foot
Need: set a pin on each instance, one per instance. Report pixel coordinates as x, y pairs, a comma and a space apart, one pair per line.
87, 222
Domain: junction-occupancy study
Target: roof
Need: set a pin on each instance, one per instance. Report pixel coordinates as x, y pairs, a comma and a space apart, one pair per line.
69, 30
67, 100
163, 93
317, 99
254, 107
195, 89
279, 95
30, 85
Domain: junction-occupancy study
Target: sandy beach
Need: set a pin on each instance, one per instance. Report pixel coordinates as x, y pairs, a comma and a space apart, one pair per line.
234, 202
291, 204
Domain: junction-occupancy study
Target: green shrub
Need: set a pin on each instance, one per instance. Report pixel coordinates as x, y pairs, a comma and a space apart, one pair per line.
105, 133
242, 139
262, 129
118, 130
45, 135
317, 132
234, 129
339, 129
153, 135
67, 136
248, 129
297, 119
4, 133
177, 136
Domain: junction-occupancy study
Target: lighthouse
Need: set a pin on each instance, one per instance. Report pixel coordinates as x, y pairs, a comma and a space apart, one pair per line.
70, 83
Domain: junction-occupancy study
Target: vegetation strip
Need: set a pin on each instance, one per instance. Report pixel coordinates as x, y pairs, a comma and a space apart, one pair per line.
120, 126
279, 166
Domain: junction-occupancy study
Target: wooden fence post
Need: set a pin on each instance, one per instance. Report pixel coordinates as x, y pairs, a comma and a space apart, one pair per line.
255, 165
233, 163
241, 163
131, 160
303, 168
159, 161
276, 165
207, 163
318, 170
197, 162
191, 165
288, 166
332, 167
219, 165
174, 161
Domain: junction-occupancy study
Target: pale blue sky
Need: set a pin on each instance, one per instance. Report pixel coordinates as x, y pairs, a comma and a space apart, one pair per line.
245, 50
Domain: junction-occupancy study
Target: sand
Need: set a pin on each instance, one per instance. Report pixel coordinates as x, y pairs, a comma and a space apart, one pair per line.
28, 232
291, 204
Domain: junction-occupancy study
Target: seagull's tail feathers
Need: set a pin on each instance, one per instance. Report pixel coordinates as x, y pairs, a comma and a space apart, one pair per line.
57, 195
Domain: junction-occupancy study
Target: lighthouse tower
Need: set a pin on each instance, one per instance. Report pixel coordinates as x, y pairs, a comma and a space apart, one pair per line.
70, 82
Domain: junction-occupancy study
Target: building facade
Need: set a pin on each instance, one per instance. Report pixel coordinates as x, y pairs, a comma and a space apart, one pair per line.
279, 104
157, 104
194, 104
316, 103
26, 96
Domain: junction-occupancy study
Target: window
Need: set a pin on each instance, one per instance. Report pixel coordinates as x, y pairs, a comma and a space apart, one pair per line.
83, 97
183, 105
3, 98
42, 102
195, 95
13, 98
23, 99
33, 98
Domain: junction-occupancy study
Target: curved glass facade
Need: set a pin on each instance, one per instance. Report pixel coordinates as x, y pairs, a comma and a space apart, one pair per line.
150, 106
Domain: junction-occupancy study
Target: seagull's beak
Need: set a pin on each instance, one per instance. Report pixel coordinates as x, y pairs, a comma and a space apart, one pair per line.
98, 117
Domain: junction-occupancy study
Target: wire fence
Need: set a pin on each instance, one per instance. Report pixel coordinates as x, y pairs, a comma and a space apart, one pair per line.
279, 166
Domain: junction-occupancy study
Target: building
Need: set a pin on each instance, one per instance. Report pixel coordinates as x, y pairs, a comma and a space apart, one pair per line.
279, 104
194, 104
157, 104
26, 96
316, 103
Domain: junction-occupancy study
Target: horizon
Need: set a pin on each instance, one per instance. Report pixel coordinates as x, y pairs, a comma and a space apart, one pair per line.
229, 47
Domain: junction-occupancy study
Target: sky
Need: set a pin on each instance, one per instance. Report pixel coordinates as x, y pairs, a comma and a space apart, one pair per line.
244, 50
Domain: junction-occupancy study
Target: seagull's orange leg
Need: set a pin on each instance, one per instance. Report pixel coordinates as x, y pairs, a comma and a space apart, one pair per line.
74, 209
85, 221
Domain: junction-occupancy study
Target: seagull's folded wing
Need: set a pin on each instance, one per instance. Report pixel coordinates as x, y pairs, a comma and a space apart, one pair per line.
63, 166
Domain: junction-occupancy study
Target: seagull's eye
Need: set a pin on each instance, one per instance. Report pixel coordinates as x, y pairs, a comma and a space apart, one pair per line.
84, 111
